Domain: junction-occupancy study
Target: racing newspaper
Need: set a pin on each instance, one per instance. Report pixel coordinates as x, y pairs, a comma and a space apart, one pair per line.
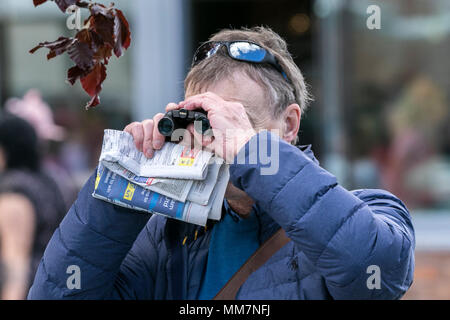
198, 191
172, 191
172, 161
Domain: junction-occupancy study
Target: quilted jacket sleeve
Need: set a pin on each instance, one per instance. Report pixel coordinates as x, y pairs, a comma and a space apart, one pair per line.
349, 236
95, 238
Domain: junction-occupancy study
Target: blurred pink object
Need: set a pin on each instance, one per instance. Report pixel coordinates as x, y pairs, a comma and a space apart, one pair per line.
38, 113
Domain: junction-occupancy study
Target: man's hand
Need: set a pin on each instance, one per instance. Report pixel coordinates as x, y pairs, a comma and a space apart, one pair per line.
230, 124
146, 135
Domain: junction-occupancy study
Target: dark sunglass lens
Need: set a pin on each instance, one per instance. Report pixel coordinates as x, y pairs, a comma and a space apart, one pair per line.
247, 51
205, 51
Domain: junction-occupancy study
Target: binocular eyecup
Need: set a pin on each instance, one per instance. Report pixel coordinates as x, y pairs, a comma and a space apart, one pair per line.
180, 119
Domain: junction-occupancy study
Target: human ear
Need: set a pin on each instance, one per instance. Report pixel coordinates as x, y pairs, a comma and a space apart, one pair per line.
291, 118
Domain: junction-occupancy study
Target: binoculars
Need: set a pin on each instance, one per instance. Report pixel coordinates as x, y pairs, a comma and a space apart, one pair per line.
177, 119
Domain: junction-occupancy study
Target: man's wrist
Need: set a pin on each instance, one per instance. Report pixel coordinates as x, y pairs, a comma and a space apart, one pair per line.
244, 139
261, 152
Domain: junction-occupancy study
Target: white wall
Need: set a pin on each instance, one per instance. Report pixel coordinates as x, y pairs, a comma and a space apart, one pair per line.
161, 54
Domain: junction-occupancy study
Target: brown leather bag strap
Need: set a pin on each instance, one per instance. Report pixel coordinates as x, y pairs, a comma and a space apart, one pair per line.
257, 259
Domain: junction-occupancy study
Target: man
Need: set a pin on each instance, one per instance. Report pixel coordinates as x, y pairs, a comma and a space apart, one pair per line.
341, 240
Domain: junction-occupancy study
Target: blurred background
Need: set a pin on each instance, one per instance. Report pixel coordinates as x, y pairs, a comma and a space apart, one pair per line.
380, 118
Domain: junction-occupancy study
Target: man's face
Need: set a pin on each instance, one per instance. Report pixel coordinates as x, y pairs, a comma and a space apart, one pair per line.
240, 88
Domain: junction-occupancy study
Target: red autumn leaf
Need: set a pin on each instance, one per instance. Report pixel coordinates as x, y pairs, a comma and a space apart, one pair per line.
104, 27
103, 53
98, 8
121, 33
92, 83
74, 73
95, 101
82, 54
83, 49
117, 37
64, 4
38, 2
126, 34
56, 47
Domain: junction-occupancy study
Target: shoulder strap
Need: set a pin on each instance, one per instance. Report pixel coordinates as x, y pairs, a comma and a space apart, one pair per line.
257, 259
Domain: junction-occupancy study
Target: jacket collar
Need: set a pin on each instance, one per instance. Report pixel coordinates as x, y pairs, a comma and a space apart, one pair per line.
267, 226
307, 150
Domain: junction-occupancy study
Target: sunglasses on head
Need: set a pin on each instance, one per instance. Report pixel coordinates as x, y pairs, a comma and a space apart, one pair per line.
240, 50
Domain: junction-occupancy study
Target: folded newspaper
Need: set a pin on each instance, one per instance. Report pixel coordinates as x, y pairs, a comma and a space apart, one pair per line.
177, 182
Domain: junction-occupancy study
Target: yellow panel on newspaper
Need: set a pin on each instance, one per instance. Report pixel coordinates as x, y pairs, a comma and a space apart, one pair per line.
129, 192
187, 158
97, 181
186, 162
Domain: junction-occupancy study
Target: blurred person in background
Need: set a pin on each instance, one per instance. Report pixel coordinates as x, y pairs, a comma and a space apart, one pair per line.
414, 169
31, 206
37, 112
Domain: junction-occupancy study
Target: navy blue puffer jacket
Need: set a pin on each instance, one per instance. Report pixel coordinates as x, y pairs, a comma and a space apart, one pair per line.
337, 237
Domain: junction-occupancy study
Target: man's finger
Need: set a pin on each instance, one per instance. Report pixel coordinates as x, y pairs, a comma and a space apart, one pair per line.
136, 130
138, 135
158, 138
204, 102
199, 139
171, 106
208, 95
148, 135
130, 126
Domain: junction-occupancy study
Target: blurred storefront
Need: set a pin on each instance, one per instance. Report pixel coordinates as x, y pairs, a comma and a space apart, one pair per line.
385, 91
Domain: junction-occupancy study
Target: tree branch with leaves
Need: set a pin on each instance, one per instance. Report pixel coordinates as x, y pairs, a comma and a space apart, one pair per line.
104, 33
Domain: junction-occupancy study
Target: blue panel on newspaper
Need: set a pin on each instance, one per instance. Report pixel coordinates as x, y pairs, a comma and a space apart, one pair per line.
123, 192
